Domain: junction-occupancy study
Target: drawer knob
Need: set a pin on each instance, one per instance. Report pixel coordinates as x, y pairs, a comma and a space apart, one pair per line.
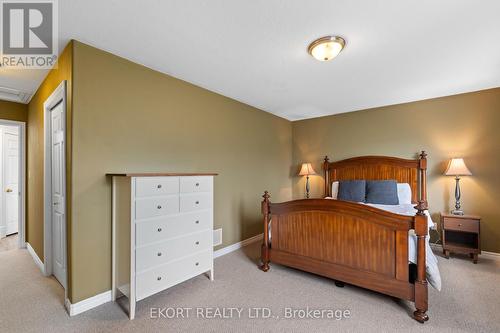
159, 229
159, 254
197, 184
197, 243
460, 224
158, 278
159, 186
197, 263
197, 222
159, 207
197, 202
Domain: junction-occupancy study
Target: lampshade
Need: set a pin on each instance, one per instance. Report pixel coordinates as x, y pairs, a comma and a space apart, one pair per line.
306, 170
457, 167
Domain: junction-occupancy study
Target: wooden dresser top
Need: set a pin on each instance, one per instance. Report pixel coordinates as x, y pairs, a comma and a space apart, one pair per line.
467, 217
160, 174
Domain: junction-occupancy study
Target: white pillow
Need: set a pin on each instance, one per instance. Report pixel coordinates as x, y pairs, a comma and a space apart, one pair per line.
335, 190
404, 193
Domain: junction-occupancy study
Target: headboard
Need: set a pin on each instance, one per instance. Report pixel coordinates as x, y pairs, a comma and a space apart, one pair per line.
380, 168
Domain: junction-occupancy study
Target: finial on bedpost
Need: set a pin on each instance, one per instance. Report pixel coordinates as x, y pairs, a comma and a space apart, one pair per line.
266, 195
421, 207
265, 203
423, 155
326, 169
265, 242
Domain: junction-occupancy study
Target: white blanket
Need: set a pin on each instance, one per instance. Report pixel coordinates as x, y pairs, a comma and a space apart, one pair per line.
433, 275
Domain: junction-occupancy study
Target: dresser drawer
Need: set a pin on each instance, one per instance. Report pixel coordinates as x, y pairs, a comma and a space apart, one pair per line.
196, 184
156, 206
161, 253
461, 224
167, 227
165, 276
195, 201
156, 186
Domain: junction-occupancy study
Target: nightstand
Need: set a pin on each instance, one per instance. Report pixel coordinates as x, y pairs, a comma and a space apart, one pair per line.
461, 234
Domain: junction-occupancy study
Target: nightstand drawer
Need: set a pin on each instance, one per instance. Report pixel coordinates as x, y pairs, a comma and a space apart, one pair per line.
460, 224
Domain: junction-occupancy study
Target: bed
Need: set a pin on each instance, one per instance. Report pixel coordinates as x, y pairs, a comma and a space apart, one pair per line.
363, 245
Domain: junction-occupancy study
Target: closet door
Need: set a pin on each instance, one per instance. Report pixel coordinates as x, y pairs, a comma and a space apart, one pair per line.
10, 150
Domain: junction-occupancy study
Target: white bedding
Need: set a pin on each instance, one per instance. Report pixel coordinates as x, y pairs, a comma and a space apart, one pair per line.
407, 208
433, 275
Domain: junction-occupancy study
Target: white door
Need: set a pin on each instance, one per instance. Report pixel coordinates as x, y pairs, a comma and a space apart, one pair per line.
58, 194
11, 179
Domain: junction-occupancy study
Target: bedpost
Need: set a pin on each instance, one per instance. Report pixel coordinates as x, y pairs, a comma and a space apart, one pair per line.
421, 230
265, 243
422, 167
326, 168
421, 295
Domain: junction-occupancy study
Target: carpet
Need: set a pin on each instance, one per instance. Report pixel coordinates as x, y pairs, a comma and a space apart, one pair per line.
281, 300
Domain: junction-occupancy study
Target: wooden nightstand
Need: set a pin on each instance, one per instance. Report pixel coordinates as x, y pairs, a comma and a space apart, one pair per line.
461, 234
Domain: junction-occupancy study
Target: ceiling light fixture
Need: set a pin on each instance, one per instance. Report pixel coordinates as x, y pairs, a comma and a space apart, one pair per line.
326, 48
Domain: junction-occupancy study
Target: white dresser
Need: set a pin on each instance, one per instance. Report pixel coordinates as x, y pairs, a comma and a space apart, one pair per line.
162, 232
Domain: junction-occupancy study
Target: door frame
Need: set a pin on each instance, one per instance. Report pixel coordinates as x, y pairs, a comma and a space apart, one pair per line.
22, 179
57, 96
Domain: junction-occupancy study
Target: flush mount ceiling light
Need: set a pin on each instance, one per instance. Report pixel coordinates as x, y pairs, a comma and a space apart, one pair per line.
326, 48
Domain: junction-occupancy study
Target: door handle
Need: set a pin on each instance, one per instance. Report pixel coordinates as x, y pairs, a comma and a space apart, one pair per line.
8, 190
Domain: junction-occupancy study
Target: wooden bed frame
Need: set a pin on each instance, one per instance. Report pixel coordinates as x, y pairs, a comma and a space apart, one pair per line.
350, 242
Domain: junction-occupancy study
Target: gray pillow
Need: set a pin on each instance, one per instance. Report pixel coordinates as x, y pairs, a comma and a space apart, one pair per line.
383, 192
352, 190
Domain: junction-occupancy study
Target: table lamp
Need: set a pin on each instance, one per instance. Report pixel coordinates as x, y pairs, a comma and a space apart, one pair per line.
457, 168
307, 170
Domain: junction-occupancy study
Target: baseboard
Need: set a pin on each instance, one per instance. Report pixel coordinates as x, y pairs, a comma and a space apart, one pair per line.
37, 260
485, 254
236, 246
88, 303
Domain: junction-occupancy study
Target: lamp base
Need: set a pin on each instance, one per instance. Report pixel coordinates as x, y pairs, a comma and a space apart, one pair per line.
457, 212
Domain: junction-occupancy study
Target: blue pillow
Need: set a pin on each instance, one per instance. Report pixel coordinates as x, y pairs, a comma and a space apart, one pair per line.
383, 192
352, 190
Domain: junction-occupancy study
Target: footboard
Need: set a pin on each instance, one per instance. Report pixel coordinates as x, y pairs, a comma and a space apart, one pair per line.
348, 242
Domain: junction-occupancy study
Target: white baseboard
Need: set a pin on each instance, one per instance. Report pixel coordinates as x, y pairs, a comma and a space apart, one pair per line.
37, 260
236, 246
92, 302
485, 254
87, 304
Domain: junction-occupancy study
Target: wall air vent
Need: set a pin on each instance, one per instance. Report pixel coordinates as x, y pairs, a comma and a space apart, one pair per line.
218, 237
14, 95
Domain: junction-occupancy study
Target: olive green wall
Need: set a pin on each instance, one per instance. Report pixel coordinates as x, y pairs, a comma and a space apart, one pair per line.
123, 117
129, 118
35, 156
465, 125
13, 111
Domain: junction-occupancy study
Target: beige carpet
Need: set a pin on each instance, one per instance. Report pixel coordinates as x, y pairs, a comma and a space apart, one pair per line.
8, 243
469, 301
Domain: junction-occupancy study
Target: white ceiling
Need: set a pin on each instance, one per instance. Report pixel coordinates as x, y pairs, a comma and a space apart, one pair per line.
256, 51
